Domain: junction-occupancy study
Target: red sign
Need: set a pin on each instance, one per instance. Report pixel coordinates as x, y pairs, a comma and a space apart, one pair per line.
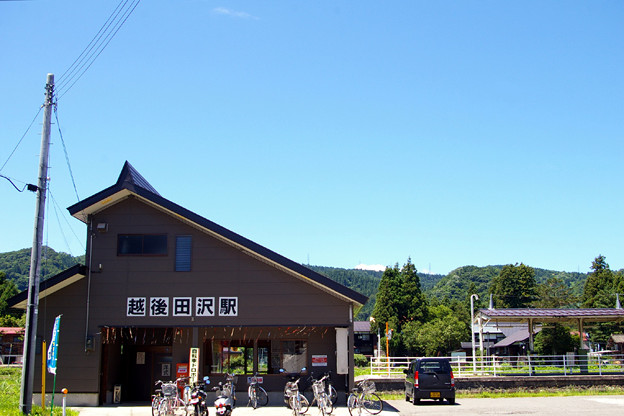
319, 361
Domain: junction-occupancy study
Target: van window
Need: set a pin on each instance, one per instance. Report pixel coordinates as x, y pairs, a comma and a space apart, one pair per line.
434, 366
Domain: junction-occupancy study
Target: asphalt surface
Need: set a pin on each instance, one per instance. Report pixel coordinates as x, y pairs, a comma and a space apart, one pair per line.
551, 406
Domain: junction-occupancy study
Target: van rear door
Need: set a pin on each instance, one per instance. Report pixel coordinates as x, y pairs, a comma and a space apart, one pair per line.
434, 376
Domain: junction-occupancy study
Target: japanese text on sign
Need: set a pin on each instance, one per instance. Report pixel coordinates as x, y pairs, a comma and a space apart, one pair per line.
181, 306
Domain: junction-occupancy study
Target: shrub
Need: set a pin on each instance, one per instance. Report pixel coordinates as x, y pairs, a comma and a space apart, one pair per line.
360, 360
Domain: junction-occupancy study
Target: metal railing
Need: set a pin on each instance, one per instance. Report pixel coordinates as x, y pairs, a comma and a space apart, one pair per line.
519, 365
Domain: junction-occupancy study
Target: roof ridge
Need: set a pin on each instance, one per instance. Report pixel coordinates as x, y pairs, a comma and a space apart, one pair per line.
130, 177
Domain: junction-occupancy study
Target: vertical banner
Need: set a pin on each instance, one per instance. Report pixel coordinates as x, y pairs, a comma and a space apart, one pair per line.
193, 365
342, 350
53, 350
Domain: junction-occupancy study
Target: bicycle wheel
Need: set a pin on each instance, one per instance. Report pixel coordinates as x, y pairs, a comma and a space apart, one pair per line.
333, 395
262, 396
305, 404
164, 407
253, 398
372, 403
179, 407
325, 404
295, 404
155, 404
352, 403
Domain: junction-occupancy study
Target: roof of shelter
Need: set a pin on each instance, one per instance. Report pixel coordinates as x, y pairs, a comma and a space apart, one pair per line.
51, 285
361, 326
552, 315
11, 330
521, 335
131, 183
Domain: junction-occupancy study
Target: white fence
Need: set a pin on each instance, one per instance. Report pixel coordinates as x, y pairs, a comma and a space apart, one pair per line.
528, 365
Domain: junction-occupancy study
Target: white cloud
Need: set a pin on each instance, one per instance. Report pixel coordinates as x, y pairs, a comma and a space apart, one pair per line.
233, 13
374, 267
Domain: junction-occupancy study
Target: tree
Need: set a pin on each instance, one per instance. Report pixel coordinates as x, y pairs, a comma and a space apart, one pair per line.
399, 298
555, 340
514, 287
440, 336
8, 289
599, 291
554, 293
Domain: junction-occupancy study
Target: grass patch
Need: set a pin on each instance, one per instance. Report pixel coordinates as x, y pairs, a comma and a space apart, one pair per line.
10, 386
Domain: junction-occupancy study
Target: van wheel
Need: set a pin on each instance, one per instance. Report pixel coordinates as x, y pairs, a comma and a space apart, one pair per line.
451, 400
415, 401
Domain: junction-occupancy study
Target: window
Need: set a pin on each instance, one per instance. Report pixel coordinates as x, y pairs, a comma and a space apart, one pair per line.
232, 357
183, 253
142, 245
294, 356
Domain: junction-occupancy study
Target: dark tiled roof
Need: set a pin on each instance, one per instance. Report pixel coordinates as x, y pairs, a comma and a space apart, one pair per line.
521, 335
361, 326
76, 270
130, 180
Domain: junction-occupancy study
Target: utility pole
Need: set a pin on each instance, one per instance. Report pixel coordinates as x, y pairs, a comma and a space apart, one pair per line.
32, 311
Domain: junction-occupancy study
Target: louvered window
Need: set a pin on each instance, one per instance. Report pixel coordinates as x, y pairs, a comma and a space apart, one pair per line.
183, 253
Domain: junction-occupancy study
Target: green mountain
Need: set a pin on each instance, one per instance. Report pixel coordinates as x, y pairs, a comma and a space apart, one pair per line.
457, 284
16, 264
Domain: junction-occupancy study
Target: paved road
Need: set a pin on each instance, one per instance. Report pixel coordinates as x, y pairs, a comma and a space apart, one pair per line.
551, 406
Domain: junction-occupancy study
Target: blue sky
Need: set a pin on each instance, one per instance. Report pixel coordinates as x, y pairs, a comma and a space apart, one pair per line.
335, 133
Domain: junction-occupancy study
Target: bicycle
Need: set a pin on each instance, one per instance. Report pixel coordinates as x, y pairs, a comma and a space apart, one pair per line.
156, 398
364, 397
170, 404
320, 396
293, 397
329, 388
257, 395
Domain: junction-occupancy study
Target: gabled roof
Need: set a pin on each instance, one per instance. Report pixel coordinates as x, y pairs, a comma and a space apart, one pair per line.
51, 285
518, 336
131, 183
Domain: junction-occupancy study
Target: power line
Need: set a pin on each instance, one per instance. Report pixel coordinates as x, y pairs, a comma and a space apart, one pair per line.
71, 174
22, 138
97, 45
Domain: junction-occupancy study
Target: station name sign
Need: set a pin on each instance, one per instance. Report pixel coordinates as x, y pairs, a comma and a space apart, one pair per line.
181, 306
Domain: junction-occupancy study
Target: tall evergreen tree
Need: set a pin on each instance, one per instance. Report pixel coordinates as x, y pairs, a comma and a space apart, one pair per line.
399, 298
514, 287
599, 291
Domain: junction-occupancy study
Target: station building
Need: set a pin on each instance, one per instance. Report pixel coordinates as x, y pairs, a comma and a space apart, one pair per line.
166, 292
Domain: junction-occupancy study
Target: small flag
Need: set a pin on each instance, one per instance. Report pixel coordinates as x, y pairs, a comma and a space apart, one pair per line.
53, 350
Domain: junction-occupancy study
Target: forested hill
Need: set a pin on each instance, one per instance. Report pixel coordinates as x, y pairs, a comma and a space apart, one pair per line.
366, 282
461, 282
16, 264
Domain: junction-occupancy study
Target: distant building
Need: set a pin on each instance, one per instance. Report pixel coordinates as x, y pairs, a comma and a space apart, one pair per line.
616, 343
365, 341
11, 345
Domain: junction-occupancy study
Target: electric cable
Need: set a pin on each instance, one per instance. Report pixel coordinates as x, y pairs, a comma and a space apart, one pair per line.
22, 138
95, 51
71, 174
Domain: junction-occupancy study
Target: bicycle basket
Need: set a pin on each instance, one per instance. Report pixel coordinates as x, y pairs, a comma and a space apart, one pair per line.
368, 386
318, 387
291, 389
168, 389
